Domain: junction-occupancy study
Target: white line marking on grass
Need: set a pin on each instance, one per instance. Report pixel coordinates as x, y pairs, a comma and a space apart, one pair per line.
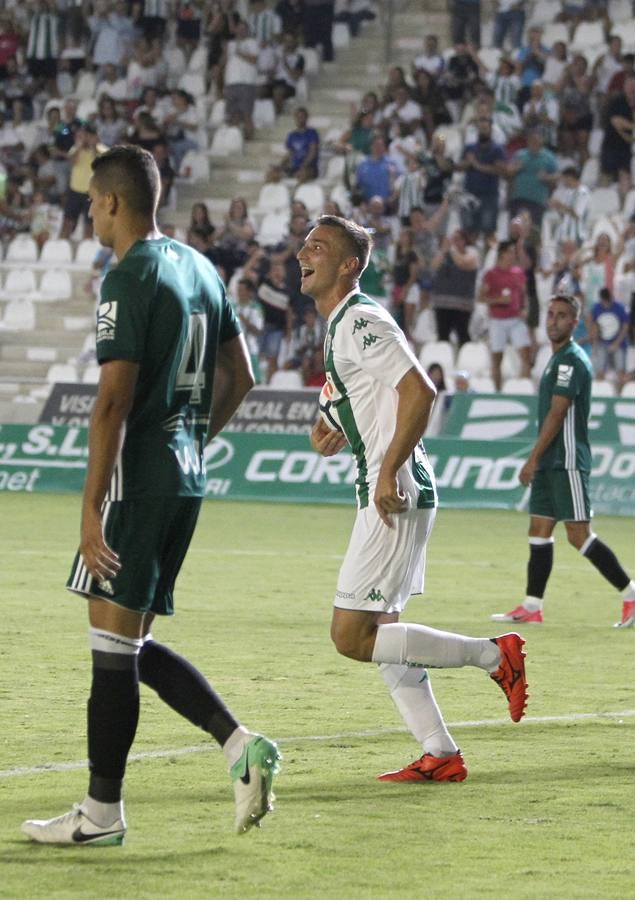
20, 771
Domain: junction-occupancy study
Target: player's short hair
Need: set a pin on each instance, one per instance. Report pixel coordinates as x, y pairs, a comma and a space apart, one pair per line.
358, 238
570, 300
132, 172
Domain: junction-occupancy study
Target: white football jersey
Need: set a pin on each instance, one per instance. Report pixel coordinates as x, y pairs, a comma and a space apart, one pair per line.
365, 356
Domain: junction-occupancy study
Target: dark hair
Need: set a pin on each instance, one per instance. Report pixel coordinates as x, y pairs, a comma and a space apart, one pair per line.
571, 301
504, 246
571, 172
131, 172
358, 238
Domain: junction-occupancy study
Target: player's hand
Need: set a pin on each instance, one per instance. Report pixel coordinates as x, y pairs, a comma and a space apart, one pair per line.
526, 474
99, 559
388, 498
326, 441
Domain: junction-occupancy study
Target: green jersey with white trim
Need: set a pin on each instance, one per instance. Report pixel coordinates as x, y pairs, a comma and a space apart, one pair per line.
164, 307
365, 357
567, 374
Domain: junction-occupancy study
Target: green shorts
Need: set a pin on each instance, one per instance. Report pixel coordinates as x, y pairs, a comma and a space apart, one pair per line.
561, 494
151, 536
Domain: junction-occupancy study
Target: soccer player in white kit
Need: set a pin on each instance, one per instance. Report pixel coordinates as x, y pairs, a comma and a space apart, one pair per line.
383, 398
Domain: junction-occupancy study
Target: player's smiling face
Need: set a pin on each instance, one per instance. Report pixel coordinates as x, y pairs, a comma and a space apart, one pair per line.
320, 259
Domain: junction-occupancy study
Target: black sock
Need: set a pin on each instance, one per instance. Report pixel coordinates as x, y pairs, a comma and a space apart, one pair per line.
607, 564
113, 713
179, 684
539, 568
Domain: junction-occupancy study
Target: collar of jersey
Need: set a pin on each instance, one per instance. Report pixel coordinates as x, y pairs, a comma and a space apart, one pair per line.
343, 302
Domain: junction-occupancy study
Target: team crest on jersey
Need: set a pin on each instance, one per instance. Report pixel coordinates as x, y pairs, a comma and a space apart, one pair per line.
106, 321
565, 373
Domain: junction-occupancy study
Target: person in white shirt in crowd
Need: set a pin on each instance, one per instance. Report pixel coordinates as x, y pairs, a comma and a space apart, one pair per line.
431, 59
288, 71
569, 207
241, 78
542, 111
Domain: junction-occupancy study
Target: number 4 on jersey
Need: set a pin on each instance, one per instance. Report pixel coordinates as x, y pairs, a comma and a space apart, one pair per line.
191, 373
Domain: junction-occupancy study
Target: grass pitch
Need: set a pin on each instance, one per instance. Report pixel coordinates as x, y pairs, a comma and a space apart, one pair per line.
545, 812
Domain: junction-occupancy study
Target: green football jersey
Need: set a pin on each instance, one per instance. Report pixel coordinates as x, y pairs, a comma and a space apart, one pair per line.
164, 307
568, 374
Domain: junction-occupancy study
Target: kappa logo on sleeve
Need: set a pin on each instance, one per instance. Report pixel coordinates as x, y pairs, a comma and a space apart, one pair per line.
106, 321
565, 374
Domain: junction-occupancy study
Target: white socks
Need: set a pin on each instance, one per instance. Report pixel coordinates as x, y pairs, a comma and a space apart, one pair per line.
102, 814
418, 645
235, 744
533, 604
411, 691
629, 591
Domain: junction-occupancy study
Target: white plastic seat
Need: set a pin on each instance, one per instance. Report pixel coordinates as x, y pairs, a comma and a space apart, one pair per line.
90, 375
19, 282
620, 11
474, 357
19, 315
87, 108
518, 386
602, 388
227, 141
62, 373
483, 384
22, 249
86, 85
198, 61
588, 34
335, 168
441, 352
195, 166
590, 172
540, 363
604, 201
555, 31
264, 115
193, 83
628, 390
311, 60
286, 379
312, 195
86, 252
273, 228
273, 198
595, 141
545, 11
341, 34
217, 115
56, 284
510, 365
56, 251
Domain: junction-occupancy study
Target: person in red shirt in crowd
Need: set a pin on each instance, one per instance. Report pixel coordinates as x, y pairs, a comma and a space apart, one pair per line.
504, 290
9, 43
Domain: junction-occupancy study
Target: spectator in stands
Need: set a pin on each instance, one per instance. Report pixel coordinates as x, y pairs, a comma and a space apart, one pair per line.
454, 268
555, 67
396, 80
403, 110
111, 128
542, 111
465, 22
241, 78
200, 219
289, 69
292, 16
303, 148
146, 132
462, 71
9, 43
236, 232
605, 67
317, 26
526, 239
410, 188
42, 49
276, 304
509, 21
375, 175
144, 69
427, 94
112, 84
305, 340
531, 60
85, 150
46, 176
406, 294
571, 203
503, 289
598, 269
609, 336
357, 139
616, 151
189, 14
438, 168
426, 229
483, 163
431, 60
533, 171
40, 218
107, 46
576, 118
505, 82
181, 125
616, 84
167, 173
252, 320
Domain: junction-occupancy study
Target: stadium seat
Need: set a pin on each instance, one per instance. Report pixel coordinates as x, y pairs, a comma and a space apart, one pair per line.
474, 357
286, 379
195, 166
335, 168
627, 33
86, 85
312, 195
542, 358
341, 34
602, 388
510, 365
227, 141
193, 83
441, 352
490, 57
518, 386
56, 284
311, 60
483, 384
273, 198
588, 35
20, 282
590, 172
628, 390
90, 375
595, 141
604, 201
86, 252
217, 115
555, 31
19, 315
273, 229
62, 373
22, 249
176, 63
87, 108
620, 11
56, 252
198, 61
264, 113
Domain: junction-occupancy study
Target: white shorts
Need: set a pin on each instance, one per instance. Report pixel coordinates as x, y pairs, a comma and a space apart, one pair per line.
507, 331
384, 566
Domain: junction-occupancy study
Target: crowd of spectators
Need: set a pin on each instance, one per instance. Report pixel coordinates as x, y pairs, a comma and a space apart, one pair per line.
476, 168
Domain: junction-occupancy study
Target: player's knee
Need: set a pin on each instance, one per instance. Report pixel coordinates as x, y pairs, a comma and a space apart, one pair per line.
347, 643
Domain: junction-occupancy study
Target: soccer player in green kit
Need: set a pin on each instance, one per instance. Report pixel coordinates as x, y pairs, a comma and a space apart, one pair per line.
174, 368
558, 469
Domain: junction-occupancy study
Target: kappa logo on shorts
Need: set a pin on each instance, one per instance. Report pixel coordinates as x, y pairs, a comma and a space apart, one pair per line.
106, 321
106, 587
565, 373
375, 596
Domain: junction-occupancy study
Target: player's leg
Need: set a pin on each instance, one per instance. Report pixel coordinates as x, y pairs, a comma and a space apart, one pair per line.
544, 513
607, 564
375, 577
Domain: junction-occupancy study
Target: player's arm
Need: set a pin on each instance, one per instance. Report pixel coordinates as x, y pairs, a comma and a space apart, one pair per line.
115, 394
233, 379
551, 428
415, 393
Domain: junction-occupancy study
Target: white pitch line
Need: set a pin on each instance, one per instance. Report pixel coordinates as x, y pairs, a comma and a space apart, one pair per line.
20, 771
